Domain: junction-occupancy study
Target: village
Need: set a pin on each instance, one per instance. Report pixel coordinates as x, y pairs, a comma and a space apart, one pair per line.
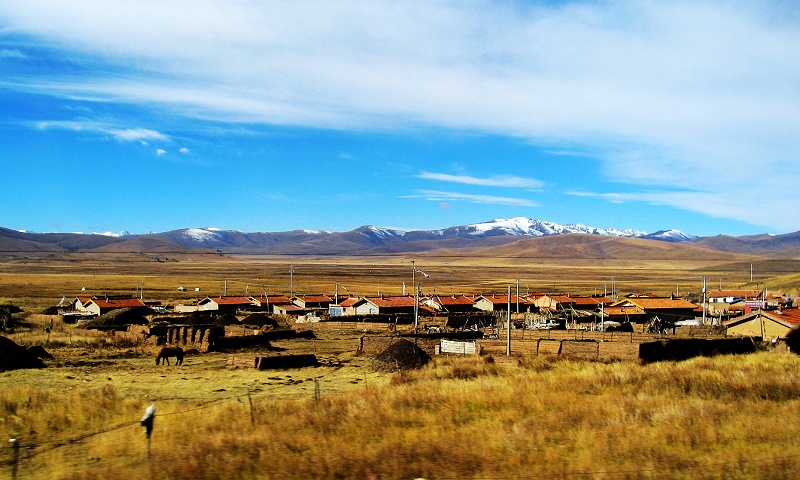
594, 327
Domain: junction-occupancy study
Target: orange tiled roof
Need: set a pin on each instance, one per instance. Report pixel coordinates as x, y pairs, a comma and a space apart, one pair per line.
500, 299
315, 298
453, 300
734, 293
392, 301
657, 303
118, 302
631, 310
348, 302
232, 300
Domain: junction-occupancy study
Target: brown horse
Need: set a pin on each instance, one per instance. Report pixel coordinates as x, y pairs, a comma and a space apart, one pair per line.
167, 352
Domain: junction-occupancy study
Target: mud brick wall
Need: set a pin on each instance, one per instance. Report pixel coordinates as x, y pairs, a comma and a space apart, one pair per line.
201, 337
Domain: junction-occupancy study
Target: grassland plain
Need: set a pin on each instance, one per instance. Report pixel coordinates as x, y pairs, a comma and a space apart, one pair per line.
728, 417
720, 418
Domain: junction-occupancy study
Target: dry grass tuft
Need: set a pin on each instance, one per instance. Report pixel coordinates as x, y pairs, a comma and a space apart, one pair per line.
457, 418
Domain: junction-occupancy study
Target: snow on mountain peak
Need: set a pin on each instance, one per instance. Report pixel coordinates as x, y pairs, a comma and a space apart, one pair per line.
540, 228
201, 234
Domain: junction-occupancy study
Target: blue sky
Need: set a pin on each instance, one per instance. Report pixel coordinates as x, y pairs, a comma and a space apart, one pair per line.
271, 116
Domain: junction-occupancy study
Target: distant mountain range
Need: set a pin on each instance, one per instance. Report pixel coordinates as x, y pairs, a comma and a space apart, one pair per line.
369, 240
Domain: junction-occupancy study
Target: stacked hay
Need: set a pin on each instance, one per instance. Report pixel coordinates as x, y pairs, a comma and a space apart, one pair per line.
226, 319
260, 320
200, 318
119, 318
15, 357
401, 355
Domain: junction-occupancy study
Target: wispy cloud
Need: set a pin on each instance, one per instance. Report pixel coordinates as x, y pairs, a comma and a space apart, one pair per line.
12, 53
507, 181
160, 152
123, 134
664, 94
440, 196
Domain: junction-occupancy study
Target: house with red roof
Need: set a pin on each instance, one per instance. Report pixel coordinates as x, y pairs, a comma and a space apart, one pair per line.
269, 302
733, 296
386, 305
226, 304
312, 302
100, 306
666, 308
450, 303
343, 308
767, 324
499, 303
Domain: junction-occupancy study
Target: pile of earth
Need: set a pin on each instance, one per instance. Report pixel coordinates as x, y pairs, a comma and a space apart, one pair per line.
260, 319
15, 357
211, 318
117, 318
401, 355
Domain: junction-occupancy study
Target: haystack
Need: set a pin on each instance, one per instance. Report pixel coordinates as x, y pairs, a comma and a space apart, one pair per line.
260, 320
120, 317
15, 357
401, 355
200, 318
226, 319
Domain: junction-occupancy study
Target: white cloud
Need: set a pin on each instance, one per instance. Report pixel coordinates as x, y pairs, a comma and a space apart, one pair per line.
439, 196
508, 181
123, 134
133, 134
665, 94
184, 150
12, 53
160, 152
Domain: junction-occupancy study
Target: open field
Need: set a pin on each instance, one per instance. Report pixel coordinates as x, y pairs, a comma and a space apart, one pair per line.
39, 282
479, 417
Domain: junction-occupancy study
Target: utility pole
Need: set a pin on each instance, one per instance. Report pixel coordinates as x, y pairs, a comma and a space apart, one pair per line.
225, 288
704, 300
14, 466
518, 296
508, 324
291, 280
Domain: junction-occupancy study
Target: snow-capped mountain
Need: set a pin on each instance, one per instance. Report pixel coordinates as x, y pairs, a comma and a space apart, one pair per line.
540, 228
368, 239
670, 235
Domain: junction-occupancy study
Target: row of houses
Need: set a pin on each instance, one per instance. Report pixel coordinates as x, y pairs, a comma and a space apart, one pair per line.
637, 309
749, 312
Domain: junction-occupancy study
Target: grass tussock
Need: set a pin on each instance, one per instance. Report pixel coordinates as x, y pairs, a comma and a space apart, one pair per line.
726, 417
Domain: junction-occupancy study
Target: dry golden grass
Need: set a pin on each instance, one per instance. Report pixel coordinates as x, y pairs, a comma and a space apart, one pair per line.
38, 283
728, 417
721, 418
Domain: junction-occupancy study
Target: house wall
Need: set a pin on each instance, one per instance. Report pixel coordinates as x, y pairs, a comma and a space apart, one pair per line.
760, 327
367, 308
208, 306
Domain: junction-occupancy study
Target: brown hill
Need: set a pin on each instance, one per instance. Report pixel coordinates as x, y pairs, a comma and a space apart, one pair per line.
143, 244
584, 246
787, 245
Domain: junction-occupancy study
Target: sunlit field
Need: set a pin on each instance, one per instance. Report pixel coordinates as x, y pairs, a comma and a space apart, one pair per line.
470, 417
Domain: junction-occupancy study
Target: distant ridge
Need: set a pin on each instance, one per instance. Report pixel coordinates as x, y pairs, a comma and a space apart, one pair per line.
369, 239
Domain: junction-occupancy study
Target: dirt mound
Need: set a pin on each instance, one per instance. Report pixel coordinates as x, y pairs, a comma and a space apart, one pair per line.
260, 319
117, 318
15, 357
38, 351
401, 355
226, 319
200, 318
